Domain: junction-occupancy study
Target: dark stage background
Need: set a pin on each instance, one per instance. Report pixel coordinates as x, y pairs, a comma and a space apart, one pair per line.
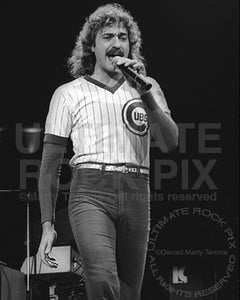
192, 50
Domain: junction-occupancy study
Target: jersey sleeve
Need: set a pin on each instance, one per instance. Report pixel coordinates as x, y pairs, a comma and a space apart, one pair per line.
159, 95
59, 121
48, 183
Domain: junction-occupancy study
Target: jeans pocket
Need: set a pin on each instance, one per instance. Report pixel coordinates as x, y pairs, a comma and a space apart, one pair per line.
90, 179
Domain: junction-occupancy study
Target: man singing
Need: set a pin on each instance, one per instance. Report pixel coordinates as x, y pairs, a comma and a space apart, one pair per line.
109, 116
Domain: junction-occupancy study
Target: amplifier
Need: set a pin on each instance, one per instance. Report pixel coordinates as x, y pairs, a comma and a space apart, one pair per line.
67, 259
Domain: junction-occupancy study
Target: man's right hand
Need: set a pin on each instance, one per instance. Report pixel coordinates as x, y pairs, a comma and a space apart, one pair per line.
49, 236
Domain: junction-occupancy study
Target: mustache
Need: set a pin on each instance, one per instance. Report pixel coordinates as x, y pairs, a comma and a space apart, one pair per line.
115, 52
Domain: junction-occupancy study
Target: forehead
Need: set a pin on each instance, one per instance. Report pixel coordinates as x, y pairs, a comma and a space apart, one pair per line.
114, 28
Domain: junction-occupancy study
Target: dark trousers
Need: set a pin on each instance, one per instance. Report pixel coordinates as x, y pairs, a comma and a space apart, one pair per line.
110, 218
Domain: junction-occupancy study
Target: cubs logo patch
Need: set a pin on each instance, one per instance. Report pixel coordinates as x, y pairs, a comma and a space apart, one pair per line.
135, 117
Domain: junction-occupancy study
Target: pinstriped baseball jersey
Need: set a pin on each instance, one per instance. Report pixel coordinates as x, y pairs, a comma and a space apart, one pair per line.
106, 125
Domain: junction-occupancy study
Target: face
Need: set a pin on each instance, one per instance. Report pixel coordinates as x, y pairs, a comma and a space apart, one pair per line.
110, 41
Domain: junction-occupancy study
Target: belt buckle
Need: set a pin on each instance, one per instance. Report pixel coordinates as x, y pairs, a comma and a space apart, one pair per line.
125, 170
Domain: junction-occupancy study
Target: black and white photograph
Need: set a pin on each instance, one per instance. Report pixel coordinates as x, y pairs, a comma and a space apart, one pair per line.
119, 145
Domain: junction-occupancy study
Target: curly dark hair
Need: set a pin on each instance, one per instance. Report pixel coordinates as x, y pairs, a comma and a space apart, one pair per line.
82, 60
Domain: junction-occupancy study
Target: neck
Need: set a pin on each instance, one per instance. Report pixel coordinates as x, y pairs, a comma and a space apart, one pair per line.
108, 79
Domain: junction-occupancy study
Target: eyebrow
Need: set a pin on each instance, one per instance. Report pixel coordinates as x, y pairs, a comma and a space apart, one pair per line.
112, 33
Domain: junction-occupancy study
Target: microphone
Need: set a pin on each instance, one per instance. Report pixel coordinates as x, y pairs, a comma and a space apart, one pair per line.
138, 78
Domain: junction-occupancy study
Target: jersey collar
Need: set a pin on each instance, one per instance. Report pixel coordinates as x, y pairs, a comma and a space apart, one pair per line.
111, 89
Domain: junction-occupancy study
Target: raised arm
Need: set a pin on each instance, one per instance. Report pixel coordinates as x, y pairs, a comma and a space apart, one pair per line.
162, 126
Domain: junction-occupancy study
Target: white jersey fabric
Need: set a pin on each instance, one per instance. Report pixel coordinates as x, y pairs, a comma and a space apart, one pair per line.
106, 125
